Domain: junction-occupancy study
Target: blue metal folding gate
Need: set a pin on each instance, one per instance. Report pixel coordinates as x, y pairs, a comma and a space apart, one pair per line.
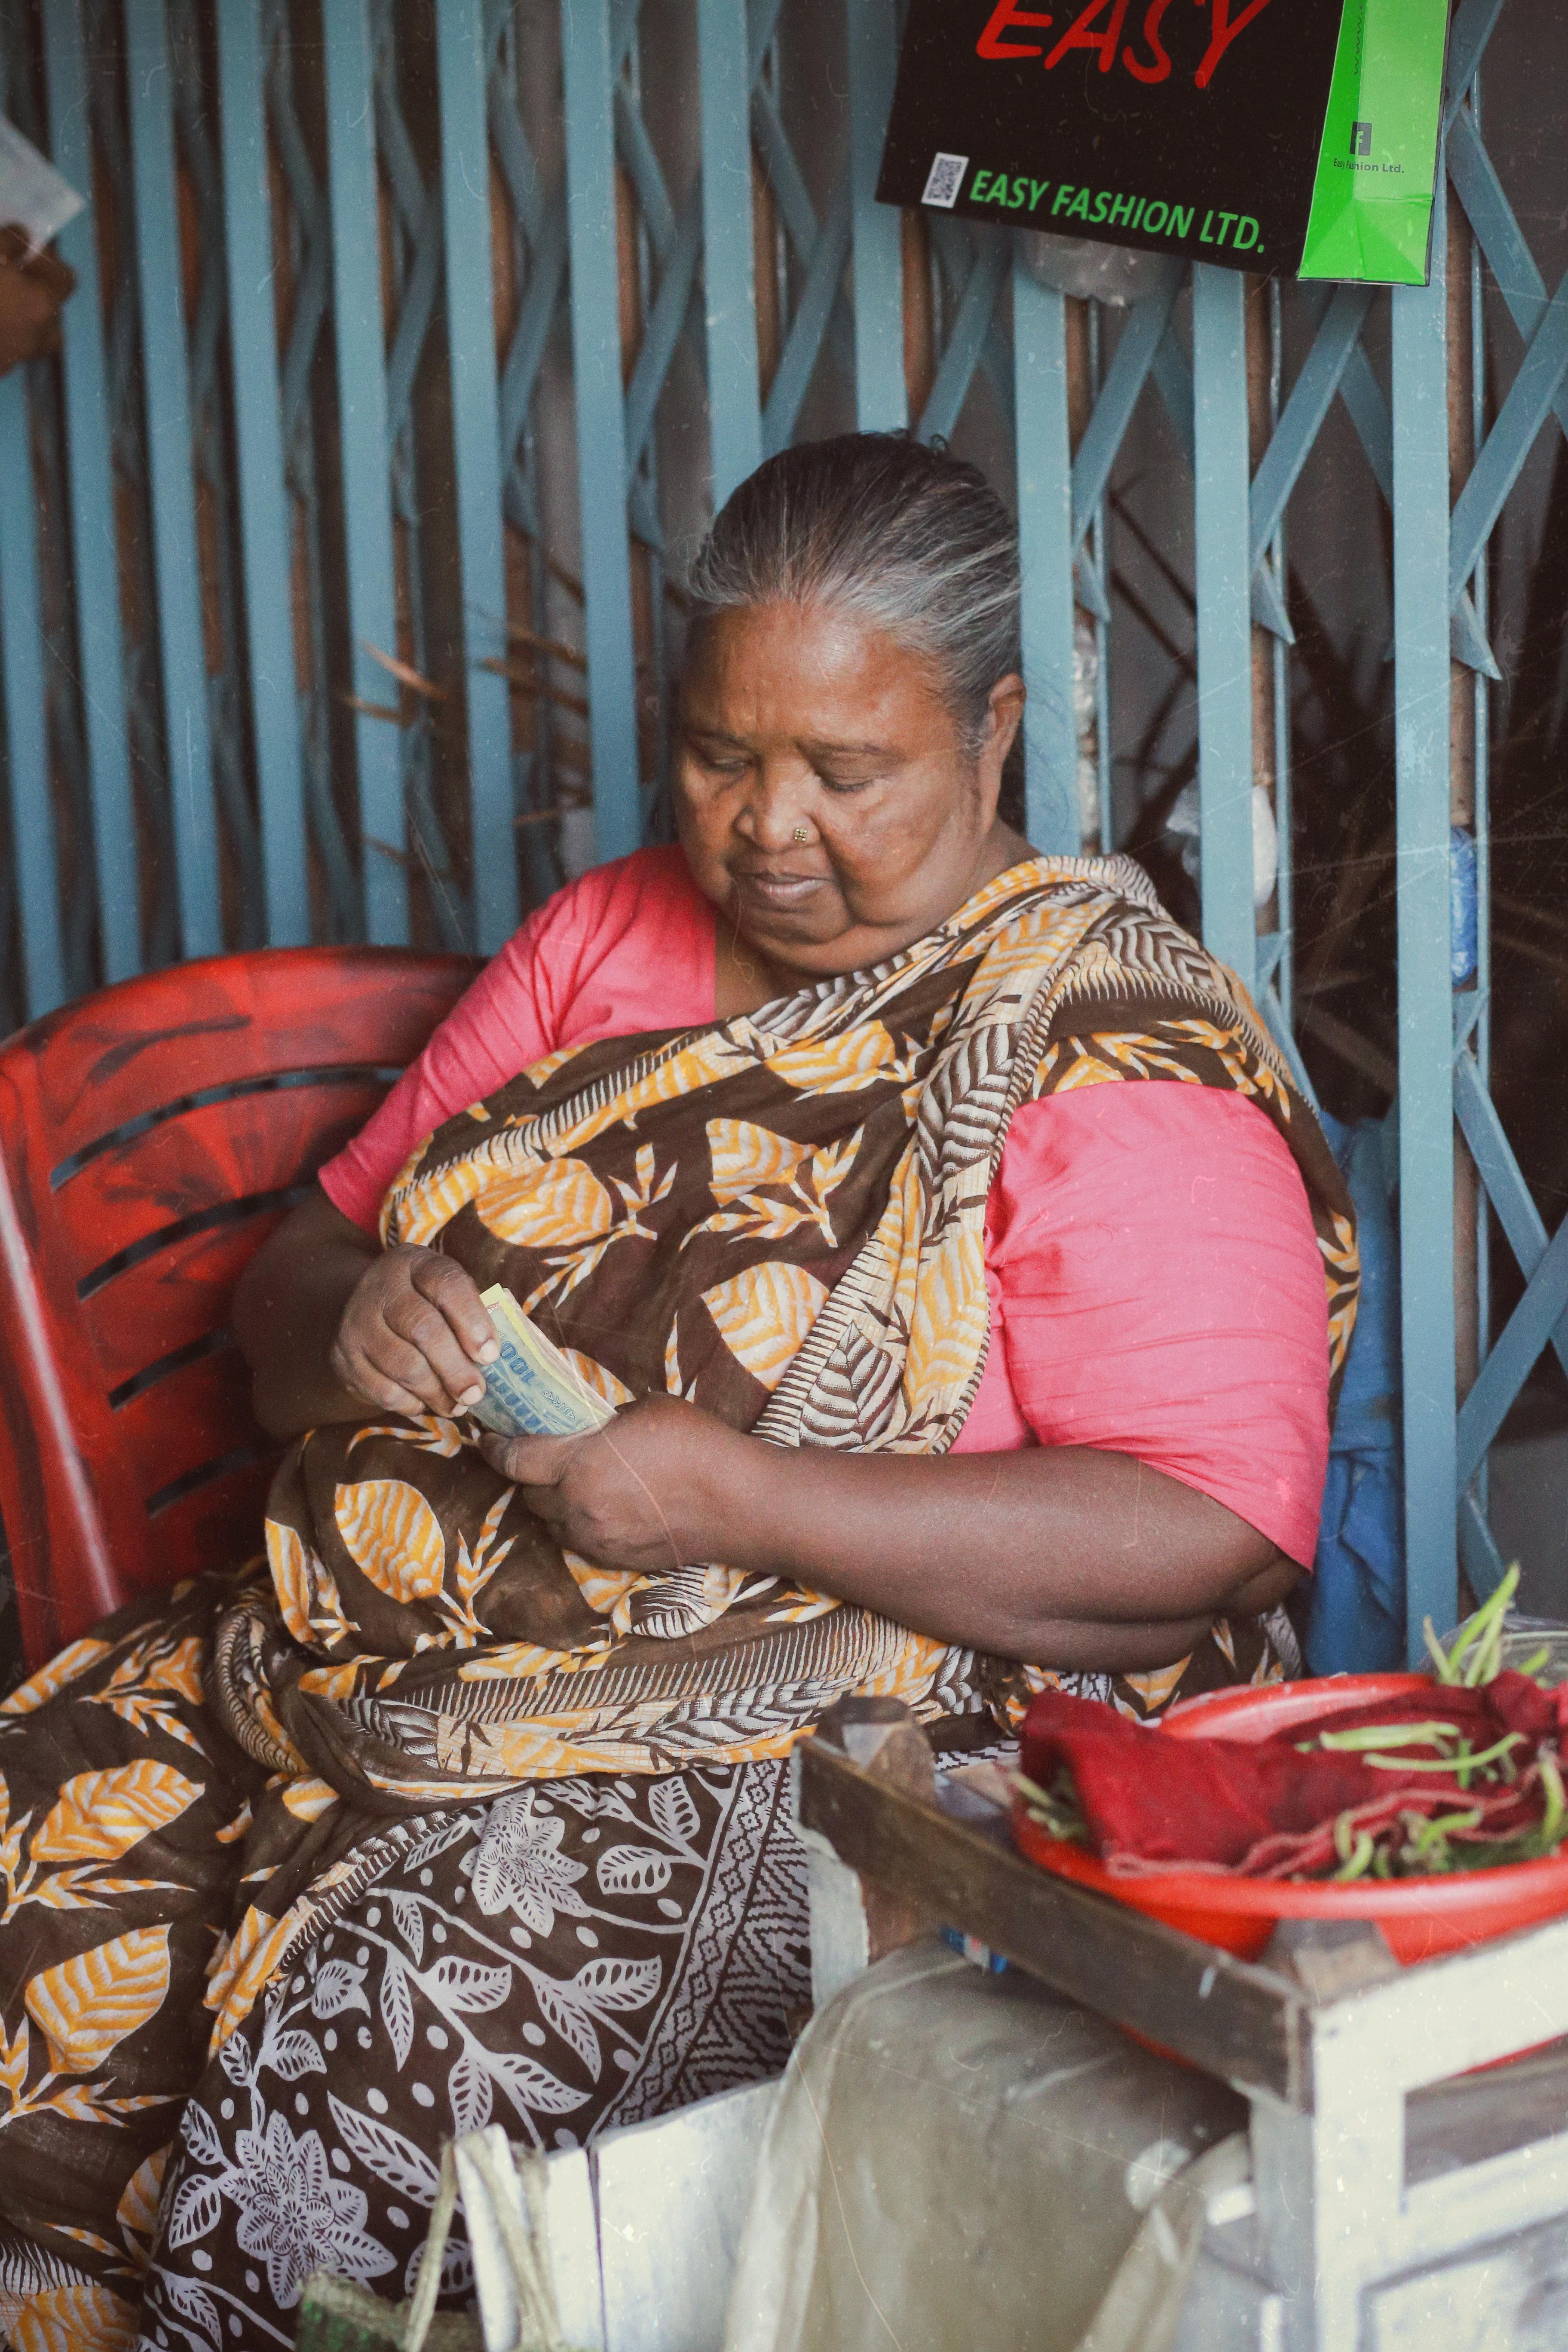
257, 648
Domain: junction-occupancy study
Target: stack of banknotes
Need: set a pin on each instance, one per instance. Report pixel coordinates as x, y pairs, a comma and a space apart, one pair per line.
532, 1390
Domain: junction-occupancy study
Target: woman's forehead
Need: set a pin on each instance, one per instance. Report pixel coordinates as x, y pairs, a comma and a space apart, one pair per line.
820, 669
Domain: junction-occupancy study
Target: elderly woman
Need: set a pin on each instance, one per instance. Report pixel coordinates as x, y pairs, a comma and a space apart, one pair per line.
965, 1277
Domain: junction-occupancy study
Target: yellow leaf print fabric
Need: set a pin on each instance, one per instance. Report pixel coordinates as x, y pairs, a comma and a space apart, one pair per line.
782, 1219
390, 1531
116, 1789
87, 2005
764, 1314
98, 1814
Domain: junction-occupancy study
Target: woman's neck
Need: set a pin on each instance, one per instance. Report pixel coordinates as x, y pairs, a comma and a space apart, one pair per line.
745, 978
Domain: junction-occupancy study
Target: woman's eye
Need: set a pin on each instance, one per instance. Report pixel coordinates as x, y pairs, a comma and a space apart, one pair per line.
840, 785
727, 764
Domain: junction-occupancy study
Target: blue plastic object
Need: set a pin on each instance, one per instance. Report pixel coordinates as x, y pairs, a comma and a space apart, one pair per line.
1357, 1624
1462, 906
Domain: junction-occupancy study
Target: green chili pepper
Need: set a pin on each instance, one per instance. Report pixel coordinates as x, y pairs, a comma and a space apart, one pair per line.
1384, 1735
1461, 1766
1359, 1857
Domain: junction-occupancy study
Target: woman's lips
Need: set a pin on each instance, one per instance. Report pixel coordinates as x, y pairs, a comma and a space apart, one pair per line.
778, 889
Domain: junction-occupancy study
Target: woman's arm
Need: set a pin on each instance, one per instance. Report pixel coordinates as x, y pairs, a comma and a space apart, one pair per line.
1066, 1556
331, 1324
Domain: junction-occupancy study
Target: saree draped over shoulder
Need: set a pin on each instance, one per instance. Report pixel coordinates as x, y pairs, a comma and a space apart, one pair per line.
457, 1822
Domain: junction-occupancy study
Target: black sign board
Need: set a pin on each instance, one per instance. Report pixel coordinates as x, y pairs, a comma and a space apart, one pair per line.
1212, 129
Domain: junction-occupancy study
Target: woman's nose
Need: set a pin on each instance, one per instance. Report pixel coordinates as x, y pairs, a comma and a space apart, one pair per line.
770, 817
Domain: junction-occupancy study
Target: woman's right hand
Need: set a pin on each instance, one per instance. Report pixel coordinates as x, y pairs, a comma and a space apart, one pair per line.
414, 1336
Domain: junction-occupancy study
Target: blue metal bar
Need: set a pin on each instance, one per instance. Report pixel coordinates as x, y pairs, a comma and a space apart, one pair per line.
359, 335
964, 344
1311, 397
1368, 410
1482, 764
1091, 557
661, 333
1484, 1568
1136, 353
803, 346
187, 733
1530, 398
259, 455
601, 424
535, 321
95, 555
1519, 281
734, 386
517, 160
1223, 577
1500, 1172
1175, 378
636, 151
26, 724
414, 317
881, 396
1520, 1344
1471, 29
762, 24
1273, 569
1420, 421
1045, 549
462, 63
786, 179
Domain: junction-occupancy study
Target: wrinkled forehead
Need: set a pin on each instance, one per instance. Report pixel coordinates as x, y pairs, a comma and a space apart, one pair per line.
808, 665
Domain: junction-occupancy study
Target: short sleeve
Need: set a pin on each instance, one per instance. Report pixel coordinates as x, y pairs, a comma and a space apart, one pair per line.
496, 1028
1161, 1294
627, 946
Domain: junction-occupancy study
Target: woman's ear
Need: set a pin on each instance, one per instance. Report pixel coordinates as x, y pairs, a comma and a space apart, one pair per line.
1003, 718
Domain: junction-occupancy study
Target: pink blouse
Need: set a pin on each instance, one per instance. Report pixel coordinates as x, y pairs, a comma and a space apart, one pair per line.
1154, 1277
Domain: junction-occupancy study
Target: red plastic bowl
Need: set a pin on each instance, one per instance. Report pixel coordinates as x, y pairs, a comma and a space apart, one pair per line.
1421, 1917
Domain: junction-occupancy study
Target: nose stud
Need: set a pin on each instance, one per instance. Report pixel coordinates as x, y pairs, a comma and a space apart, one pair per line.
802, 833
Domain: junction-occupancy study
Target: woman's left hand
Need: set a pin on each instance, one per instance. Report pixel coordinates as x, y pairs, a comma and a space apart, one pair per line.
649, 1491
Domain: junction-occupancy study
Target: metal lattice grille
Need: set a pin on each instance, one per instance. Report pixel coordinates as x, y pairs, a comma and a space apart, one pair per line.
305, 634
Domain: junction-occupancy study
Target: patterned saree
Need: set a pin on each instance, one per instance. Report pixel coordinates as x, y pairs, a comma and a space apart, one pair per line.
436, 1823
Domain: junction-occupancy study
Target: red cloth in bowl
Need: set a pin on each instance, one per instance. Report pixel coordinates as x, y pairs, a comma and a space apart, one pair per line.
1260, 1807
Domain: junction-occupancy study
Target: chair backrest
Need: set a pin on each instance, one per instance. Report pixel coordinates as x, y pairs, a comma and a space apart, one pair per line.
151, 1136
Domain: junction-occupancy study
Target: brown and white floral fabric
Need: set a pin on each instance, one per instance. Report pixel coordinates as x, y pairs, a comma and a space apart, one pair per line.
572, 1954
432, 1821
781, 1218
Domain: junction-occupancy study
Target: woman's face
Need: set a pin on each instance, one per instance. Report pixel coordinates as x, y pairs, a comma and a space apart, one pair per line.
803, 719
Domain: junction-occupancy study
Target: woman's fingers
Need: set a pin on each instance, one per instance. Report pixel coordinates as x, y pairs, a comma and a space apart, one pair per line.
414, 1335
528, 1461
361, 1379
375, 1361
454, 1292
415, 1325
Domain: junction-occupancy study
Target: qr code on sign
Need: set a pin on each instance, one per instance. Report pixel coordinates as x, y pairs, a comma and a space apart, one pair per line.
944, 180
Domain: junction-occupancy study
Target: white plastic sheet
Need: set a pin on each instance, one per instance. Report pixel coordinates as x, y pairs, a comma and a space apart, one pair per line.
32, 195
962, 2159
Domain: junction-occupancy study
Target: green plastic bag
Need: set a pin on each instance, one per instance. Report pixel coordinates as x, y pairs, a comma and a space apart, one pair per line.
1372, 200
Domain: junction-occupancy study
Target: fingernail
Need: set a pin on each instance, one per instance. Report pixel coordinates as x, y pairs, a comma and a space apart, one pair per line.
489, 1351
472, 1396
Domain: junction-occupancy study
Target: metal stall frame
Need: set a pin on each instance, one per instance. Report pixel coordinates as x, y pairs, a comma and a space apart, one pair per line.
190, 761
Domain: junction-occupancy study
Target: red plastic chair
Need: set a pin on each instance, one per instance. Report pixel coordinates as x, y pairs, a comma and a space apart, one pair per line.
151, 1138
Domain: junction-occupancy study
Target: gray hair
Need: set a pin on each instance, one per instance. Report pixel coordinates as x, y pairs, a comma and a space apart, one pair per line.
897, 531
